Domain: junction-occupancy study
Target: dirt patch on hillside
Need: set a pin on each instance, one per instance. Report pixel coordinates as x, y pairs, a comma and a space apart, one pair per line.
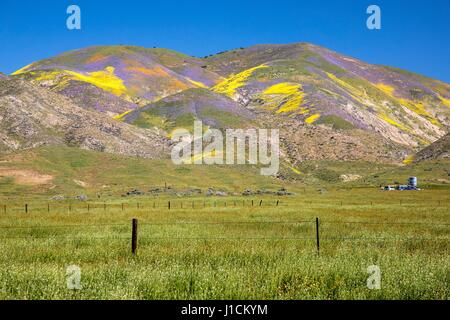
26, 177
350, 177
80, 183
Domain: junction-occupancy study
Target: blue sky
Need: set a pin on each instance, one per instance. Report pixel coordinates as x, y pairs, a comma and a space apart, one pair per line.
415, 35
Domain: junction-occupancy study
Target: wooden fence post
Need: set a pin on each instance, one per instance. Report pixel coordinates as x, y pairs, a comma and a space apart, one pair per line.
317, 236
48, 207
26, 208
134, 231
168, 205
260, 203
278, 201
88, 207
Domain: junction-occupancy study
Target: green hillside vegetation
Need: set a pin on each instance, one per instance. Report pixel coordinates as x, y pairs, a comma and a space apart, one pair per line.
113, 175
335, 122
74, 171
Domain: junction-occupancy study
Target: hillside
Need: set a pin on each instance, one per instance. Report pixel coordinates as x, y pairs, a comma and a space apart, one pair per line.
54, 170
32, 116
439, 149
327, 106
181, 109
61, 170
129, 74
317, 85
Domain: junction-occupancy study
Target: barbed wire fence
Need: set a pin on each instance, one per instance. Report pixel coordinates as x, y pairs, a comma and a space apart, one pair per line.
199, 204
316, 237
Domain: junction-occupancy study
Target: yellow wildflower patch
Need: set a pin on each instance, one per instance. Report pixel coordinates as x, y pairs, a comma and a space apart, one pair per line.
48, 75
389, 90
104, 79
391, 121
354, 91
60, 77
445, 101
283, 88
409, 159
303, 111
312, 118
22, 70
292, 104
291, 95
231, 84
120, 116
419, 108
295, 170
416, 107
197, 83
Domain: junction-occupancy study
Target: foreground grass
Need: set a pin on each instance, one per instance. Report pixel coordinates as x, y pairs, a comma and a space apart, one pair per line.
242, 252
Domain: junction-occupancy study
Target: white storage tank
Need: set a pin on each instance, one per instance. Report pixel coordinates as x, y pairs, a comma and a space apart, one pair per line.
412, 182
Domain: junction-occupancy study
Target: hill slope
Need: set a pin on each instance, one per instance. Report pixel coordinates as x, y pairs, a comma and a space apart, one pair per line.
134, 74
320, 86
32, 116
439, 149
54, 170
180, 110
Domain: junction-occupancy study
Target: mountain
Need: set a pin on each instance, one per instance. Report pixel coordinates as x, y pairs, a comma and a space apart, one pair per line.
33, 116
327, 106
119, 78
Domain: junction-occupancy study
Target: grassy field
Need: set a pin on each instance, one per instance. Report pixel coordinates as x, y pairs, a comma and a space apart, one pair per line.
223, 250
73, 171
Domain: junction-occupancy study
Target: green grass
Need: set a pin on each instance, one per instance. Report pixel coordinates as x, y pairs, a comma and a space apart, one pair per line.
216, 250
242, 252
112, 175
335, 122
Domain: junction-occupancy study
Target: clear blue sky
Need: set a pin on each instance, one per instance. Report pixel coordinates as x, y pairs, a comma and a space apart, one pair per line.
415, 35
